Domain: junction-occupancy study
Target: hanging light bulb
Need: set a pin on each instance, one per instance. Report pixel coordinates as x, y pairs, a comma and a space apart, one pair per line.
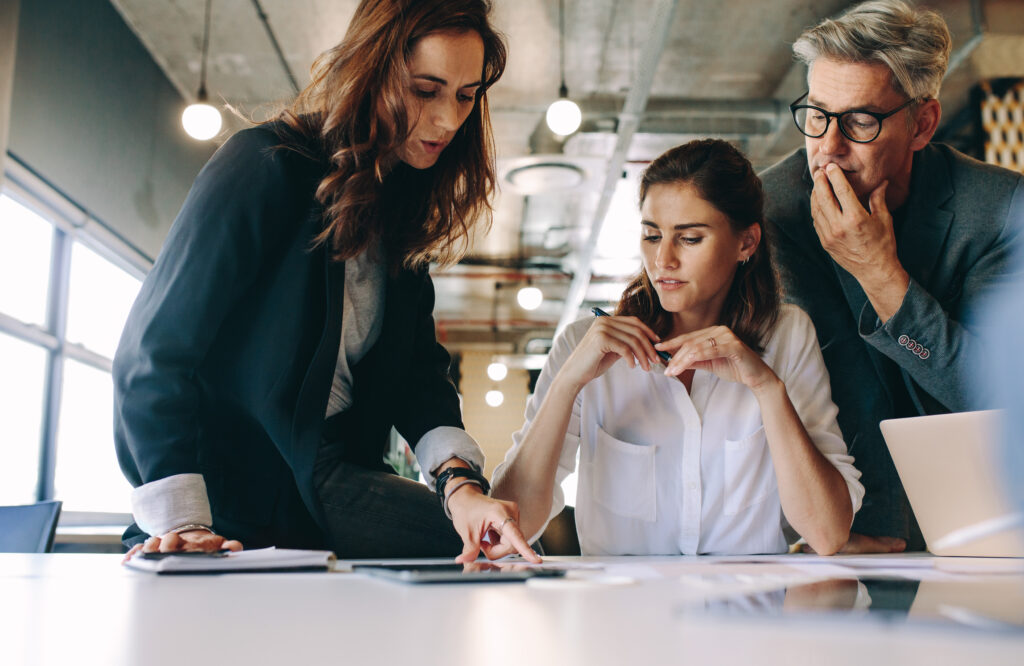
201, 120
497, 371
530, 298
564, 115
494, 398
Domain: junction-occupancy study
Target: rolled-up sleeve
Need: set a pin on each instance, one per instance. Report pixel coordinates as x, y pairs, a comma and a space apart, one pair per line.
160, 506
444, 443
807, 383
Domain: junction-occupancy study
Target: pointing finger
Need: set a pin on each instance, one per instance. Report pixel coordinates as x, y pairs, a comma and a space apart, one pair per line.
514, 536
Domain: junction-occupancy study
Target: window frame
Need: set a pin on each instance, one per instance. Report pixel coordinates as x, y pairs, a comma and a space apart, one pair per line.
71, 224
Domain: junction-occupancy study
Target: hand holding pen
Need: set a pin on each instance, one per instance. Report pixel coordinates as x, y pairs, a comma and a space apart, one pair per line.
664, 356
608, 340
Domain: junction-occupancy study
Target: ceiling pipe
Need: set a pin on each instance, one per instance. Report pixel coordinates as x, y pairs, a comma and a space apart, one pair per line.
629, 118
444, 326
666, 115
660, 107
265, 20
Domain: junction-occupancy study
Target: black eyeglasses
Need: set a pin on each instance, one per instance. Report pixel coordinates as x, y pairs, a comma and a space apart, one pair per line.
857, 126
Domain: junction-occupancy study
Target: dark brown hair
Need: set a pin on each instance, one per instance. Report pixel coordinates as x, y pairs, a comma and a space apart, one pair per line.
724, 178
354, 110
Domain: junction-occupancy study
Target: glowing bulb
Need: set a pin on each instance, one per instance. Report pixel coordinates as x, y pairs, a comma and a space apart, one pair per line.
494, 398
201, 121
530, 298
564, 117
497, 371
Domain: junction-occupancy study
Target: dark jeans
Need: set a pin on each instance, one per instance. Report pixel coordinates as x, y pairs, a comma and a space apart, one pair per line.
376, 514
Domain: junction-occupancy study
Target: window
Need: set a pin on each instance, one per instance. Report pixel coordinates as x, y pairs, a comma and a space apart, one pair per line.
21, 418
25, 244
100, 294
66, 286
88, 477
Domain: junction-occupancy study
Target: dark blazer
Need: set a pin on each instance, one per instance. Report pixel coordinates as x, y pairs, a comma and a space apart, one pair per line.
955, 237
227, 359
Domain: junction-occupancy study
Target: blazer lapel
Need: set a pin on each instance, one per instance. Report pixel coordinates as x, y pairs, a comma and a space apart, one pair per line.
312, 402
926, 225
308, 417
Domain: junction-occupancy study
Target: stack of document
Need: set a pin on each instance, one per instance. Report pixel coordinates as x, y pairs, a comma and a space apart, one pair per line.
251, 561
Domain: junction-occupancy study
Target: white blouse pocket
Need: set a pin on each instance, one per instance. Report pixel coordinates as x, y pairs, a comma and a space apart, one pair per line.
749, 472
624, 477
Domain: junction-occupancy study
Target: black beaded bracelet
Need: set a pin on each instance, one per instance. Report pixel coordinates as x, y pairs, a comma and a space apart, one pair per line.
459, 472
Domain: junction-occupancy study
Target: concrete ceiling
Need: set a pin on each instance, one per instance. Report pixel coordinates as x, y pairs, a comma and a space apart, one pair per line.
726, 70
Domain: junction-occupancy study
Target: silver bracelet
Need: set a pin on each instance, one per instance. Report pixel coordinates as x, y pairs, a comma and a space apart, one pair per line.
448, 493
190, 527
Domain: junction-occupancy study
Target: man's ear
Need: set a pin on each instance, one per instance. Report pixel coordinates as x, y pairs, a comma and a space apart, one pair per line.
925, 124
749, 240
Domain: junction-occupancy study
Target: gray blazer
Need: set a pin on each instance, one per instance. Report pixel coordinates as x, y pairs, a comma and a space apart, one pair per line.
954, 236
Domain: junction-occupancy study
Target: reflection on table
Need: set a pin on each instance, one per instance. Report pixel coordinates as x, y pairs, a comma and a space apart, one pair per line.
59, 609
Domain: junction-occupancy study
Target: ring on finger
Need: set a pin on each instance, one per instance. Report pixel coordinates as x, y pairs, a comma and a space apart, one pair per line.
502, 525
714, 344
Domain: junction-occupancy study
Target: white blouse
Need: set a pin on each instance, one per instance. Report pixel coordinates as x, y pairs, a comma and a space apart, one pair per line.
663, 471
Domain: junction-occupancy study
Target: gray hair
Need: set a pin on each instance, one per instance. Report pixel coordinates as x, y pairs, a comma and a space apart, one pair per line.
913, 43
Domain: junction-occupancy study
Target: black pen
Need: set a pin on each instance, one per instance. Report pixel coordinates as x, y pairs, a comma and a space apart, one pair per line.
665, 356
185, 553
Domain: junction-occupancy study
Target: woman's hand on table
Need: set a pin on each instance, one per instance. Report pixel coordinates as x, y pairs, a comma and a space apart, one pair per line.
716, 349
192, 541
476, 515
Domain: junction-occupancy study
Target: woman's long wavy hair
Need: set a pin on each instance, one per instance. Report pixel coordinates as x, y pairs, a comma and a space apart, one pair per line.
724, 178
354, 112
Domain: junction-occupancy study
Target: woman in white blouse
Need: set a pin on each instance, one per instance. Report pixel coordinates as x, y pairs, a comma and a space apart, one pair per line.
731, 443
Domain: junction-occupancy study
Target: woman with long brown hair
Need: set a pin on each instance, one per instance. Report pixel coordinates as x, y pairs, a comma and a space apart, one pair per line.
735, 438
286, 326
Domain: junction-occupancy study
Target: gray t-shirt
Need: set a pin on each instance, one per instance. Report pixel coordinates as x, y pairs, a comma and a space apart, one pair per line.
360, 323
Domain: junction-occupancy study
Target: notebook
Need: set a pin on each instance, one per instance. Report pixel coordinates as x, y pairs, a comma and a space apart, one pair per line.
950, 468
243, 561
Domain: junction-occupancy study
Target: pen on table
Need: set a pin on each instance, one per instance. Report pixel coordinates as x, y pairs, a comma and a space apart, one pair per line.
665, 356
185, 553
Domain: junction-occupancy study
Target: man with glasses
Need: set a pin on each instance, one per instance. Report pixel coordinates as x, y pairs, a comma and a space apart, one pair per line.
888, 241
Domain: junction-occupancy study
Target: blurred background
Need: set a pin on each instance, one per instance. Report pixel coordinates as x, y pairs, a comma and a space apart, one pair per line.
95, 164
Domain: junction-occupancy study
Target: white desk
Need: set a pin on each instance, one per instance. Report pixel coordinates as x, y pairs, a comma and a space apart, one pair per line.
87, 609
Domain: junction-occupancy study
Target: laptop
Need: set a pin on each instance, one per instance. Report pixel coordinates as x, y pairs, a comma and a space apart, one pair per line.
950, 466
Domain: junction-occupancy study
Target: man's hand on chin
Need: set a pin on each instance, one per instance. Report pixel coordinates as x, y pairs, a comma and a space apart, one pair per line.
862, 241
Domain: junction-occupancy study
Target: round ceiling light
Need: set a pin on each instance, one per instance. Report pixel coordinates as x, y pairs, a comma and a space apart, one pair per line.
497, 371
494, 398
530, 298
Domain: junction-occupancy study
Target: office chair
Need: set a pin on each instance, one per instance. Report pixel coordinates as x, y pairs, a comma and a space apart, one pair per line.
28, 528
559, 536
